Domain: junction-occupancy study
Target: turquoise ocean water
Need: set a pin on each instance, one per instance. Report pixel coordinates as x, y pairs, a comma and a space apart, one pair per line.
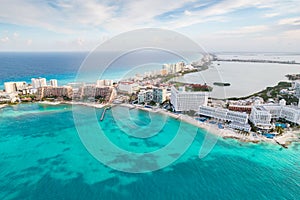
42, 157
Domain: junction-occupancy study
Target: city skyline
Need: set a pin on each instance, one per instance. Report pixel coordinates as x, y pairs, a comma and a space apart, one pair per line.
216, 25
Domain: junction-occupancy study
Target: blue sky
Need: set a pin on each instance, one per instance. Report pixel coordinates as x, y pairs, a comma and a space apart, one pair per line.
218, 25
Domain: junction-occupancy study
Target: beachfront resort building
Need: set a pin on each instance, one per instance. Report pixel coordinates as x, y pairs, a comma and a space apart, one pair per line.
182, 100
159, 95
54, 92
38, 82
297, 88
145, 96
262, 115
11, 87
8, 97
53, 83
128, 87
238, 120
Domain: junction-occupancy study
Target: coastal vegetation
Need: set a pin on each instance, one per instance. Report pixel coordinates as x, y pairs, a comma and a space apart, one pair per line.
273, 93
293, 77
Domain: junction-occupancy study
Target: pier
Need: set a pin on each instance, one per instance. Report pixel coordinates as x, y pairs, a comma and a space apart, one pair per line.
103, 114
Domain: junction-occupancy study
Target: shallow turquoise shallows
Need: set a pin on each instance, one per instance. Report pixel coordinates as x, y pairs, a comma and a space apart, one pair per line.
42, 157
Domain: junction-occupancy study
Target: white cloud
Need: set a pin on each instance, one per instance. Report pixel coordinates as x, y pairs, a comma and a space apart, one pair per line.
270, 15
29, 42
5, 39
16, 35
187, 13
289, 21
76, 19
245, 30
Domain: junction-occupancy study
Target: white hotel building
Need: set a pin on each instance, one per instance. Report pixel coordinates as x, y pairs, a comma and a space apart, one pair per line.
11, 87
186, 101
38, 82
261, 115
238, 120
53, 83
128, 87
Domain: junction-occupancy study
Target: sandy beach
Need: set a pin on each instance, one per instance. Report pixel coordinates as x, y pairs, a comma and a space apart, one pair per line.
213, 129
3, 105
94, 105
284, 140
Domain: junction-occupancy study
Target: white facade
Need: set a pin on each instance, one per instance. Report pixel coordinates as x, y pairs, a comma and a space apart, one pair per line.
8, 97
186, 101
105, 82
297, 88
53, 82
174, 68
243, 127
276, 111
128, 87
260, 117
11, 87
291, 114
239, 117
38, 82
238, 120
223, 114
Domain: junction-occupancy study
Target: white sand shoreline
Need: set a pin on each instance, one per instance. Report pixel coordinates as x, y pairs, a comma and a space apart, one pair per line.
284, 140
94, 105
3, 105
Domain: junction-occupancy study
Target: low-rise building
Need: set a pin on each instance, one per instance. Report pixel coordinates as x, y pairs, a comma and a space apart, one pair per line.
240, 108
8, 97
240, 126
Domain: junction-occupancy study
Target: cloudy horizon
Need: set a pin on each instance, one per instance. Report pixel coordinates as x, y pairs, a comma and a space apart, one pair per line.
240, 25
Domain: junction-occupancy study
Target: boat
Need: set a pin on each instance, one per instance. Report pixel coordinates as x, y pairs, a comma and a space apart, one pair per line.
221, 84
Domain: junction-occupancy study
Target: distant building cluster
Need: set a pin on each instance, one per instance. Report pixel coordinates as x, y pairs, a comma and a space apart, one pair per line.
173, 68
41, 90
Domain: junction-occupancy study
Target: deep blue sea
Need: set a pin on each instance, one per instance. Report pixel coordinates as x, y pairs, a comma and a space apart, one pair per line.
44, 157
64, 66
